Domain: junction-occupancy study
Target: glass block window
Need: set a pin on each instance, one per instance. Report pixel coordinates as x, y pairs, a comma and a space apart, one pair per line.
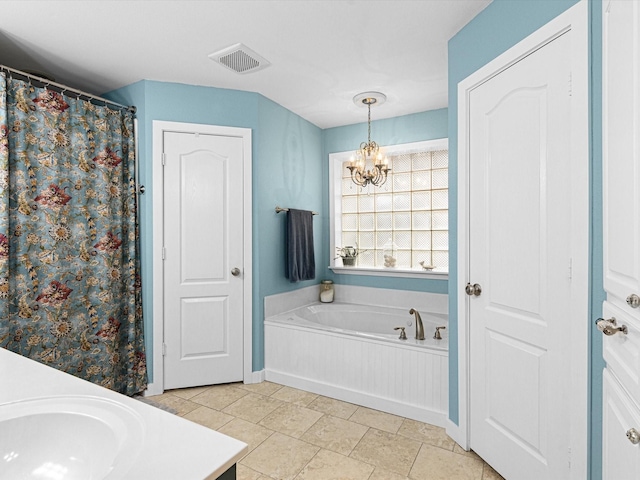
406, 219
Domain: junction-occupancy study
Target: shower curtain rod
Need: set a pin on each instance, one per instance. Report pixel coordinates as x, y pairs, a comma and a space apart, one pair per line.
63, 88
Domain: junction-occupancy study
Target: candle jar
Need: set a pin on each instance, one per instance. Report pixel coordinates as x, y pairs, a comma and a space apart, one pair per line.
326, 291
390, 255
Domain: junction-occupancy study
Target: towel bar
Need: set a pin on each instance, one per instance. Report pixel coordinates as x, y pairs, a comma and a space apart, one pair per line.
280, 209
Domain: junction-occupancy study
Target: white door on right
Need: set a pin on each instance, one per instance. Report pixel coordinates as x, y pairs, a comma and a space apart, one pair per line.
520, 256
621, 239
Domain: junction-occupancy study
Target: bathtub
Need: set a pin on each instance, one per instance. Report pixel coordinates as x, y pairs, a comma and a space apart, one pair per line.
352, 353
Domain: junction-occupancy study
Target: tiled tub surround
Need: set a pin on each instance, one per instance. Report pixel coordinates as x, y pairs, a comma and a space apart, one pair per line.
407, 378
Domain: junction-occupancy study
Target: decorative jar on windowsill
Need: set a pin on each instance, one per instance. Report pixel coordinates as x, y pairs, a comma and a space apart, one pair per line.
390, 256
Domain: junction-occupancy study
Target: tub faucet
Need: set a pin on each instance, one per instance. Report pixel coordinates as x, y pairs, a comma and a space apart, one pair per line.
419, 326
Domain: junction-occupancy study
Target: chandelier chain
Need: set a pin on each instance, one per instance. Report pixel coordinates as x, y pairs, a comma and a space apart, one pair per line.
369, 122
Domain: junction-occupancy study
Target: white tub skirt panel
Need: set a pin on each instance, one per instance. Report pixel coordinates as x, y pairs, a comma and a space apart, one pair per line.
404, 380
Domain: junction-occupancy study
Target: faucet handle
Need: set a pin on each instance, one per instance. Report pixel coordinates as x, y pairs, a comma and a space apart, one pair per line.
437, 335
403, 336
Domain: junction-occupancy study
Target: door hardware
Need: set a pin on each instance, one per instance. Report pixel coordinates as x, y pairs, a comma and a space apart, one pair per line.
633, 435
473, 290
633, 300
235, 271
609, 327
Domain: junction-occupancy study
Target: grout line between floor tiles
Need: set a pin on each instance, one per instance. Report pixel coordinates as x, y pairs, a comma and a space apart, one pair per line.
311, 426
305, 465
358, 442
414, 460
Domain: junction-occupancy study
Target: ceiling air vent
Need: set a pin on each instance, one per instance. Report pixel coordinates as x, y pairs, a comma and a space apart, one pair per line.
240, 59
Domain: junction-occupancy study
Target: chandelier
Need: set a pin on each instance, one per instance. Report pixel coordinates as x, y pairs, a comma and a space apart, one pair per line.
369, 166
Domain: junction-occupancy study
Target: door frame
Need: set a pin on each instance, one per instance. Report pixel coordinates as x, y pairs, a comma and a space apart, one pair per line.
159, 127
575, 19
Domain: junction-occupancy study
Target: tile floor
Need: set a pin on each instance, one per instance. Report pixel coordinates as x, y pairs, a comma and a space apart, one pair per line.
293, 434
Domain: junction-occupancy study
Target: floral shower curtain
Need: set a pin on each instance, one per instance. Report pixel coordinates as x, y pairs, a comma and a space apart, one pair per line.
70, 293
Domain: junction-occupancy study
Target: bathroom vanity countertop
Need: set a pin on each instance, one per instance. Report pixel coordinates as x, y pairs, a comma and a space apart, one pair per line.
172, 448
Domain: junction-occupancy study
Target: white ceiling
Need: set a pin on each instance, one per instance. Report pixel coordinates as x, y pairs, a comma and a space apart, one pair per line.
322, 52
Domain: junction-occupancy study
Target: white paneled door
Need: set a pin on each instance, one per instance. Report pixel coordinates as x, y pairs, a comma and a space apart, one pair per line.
203, 252
620, 322
621, 145
520, 256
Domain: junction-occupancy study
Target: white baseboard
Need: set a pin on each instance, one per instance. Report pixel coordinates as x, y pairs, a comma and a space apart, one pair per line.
155, 389
359, 398
255, 377
152, 389
455, 432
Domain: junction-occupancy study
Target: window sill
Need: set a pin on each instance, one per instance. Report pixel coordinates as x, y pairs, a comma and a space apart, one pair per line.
390, 272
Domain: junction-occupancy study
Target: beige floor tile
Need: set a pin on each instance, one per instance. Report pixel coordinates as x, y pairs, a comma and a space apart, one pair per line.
333, 407
188, 393
328, 465
252, 407
335, 434
208, 417
291, 419
219, 396
461, 451
382, 474
245, 473
333, 439
488, 473
295, 396
423, 432
376, 419
280, 456
387, 450
435, 463
263, 388
178, 405
247, 432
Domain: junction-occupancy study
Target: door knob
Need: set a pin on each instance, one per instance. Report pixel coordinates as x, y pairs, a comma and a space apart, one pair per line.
235, 271
608, 327
633, 300
633, 435
474, 289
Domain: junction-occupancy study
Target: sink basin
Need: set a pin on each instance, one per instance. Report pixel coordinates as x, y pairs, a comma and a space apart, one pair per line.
68, 438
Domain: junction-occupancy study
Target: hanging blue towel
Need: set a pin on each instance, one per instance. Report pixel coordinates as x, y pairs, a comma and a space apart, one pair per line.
301, 263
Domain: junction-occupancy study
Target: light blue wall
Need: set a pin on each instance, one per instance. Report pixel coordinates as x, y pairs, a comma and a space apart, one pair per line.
286, 168
497, 28
596, 237
416, 127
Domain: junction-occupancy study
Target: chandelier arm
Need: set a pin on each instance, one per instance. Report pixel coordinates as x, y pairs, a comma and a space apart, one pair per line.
381, 175
378, 176
357, 178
